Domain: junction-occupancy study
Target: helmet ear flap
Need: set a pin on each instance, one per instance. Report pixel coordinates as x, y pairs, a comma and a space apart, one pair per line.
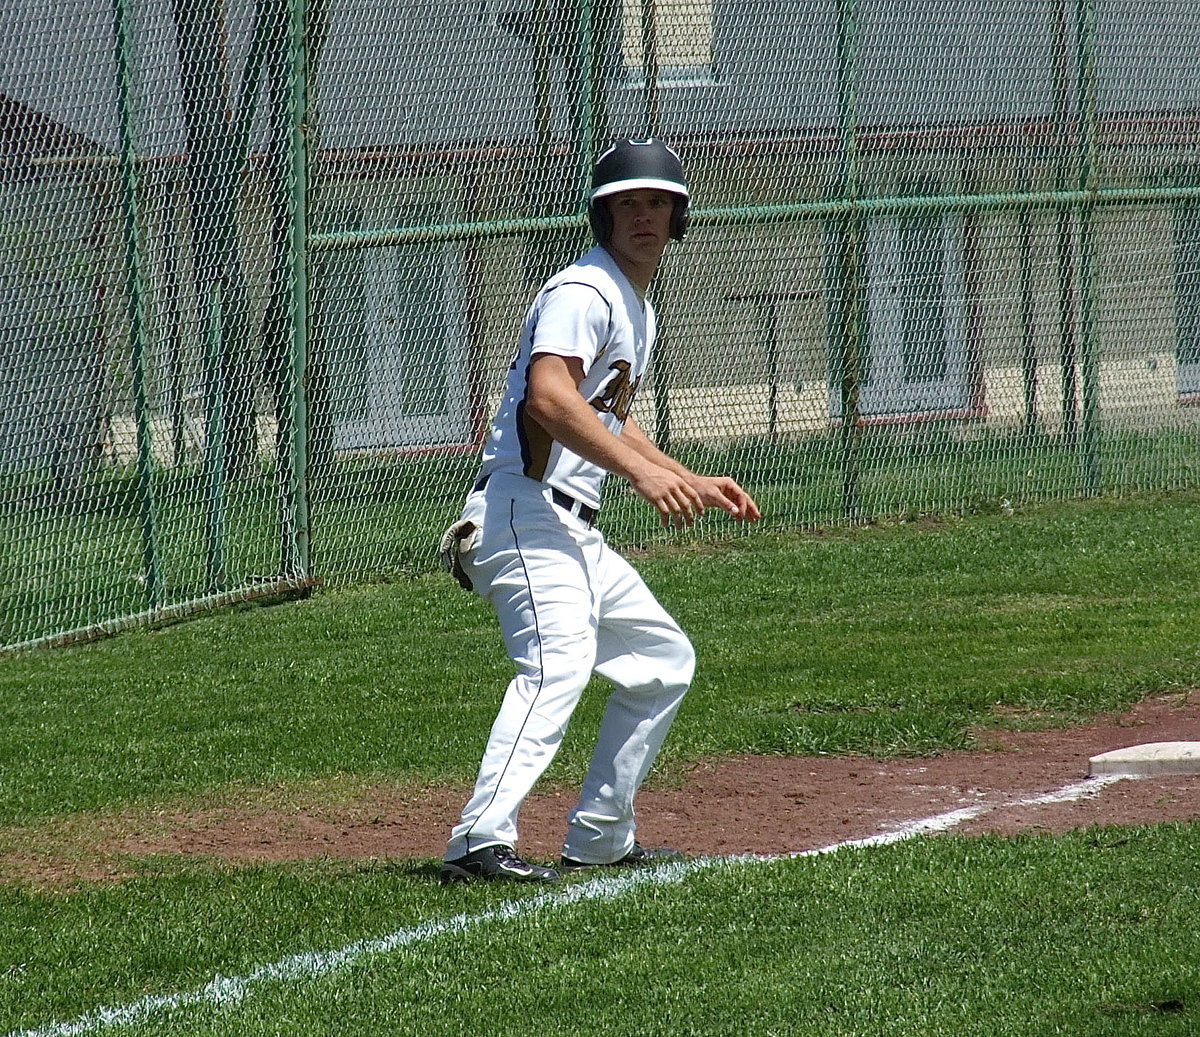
681, 214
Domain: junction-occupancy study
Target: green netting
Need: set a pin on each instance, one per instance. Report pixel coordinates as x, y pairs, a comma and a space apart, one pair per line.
262, 265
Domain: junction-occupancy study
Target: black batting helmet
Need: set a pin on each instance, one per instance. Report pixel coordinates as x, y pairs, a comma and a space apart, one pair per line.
632, 164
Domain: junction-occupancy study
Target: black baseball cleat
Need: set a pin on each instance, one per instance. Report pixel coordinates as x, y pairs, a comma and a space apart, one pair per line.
638, 857
494, 864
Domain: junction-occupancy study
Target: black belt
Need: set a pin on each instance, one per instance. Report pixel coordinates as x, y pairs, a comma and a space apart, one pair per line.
575, 507
563, 500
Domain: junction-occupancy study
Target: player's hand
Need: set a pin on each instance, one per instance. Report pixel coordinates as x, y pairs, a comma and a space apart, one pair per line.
678, 503
722, 492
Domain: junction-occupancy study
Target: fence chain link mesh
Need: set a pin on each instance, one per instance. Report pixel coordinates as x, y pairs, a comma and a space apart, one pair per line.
263, 262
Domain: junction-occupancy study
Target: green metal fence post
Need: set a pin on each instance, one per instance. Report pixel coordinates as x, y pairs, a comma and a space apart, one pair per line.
651, 112
214, 443
1029, 358
769, 329
299, 564
134, 295
1065, 121
660, 368
848, 328
586, 128
1085, 27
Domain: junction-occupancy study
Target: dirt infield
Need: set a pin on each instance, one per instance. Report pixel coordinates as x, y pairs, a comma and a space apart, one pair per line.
767, 805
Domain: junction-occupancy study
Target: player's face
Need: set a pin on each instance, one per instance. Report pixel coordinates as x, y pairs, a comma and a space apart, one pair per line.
641, 229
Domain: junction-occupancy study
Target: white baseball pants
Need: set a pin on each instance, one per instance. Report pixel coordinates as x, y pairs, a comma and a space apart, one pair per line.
568, 605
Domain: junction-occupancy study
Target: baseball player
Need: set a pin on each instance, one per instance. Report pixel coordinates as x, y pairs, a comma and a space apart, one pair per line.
569, 605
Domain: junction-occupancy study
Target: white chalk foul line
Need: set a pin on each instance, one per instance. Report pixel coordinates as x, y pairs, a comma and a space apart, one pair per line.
225, 991
944, 822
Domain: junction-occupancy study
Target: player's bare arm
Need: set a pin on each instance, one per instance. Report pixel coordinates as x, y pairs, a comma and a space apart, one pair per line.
555, 403
715, 491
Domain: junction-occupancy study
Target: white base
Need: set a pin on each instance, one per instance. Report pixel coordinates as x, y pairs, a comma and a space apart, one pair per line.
1147, 759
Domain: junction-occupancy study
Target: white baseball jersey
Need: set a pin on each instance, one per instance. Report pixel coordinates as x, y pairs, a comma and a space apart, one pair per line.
592, 312
568, 604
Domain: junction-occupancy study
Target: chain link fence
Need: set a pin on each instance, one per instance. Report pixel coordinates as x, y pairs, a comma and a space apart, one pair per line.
263, 262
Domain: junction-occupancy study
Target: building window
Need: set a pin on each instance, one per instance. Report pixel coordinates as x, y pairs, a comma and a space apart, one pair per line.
1187, 301
915, 359
391, 325
922, 297
667, 41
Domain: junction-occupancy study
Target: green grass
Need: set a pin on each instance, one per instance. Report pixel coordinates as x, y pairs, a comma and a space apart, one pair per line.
904, 638
895, 639
1088, 934
74, 556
